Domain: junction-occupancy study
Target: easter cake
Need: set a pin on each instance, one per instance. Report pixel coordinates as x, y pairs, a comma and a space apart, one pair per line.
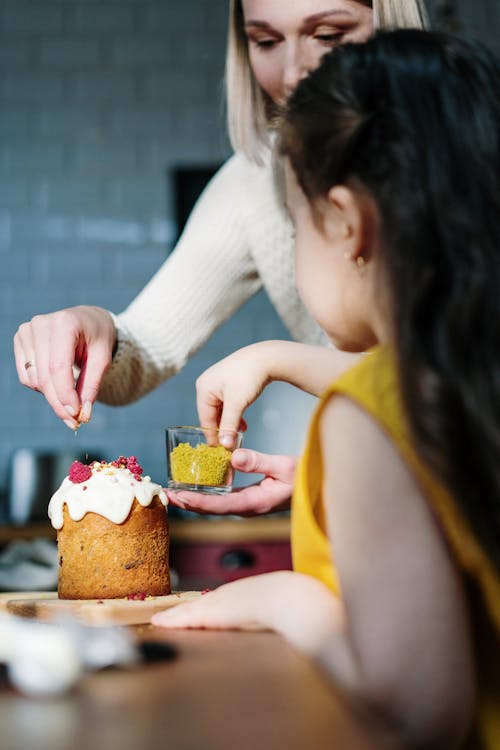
112, 532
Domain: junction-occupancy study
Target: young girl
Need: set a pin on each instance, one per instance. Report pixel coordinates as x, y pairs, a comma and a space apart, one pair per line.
396, 510
237, 241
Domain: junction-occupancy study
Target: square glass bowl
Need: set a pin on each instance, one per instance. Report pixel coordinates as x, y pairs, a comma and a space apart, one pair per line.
196, 460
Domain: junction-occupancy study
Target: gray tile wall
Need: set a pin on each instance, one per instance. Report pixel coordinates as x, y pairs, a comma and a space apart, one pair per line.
479, 19
99, 99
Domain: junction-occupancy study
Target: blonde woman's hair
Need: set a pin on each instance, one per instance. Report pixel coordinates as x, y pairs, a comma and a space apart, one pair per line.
249, 108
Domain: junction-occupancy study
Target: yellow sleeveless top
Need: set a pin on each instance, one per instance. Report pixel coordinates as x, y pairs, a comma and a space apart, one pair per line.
372, 384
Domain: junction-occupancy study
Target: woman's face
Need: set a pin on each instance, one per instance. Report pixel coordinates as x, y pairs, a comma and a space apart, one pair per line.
287, 38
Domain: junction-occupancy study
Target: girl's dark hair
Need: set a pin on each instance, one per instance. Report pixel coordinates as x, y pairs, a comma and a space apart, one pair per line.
414, 117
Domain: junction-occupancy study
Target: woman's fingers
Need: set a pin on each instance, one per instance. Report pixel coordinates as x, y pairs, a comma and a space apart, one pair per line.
49, 347
271, 494
55, 340
220, 505
277, 467
91, 374
33, 372
25, 357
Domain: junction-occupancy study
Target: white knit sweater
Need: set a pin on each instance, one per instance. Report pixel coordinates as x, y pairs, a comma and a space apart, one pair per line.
238, 239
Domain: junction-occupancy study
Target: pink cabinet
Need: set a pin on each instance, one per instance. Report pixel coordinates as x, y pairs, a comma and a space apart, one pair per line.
208, 553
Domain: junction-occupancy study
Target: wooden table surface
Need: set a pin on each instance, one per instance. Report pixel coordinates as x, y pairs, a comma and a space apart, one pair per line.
222, 691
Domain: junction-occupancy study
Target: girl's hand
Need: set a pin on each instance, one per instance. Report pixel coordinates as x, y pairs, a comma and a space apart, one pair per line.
273, 493
299, 607
233, 606
52, 344
226, 389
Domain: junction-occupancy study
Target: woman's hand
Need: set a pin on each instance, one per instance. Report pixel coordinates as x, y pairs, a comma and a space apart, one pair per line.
271, 494
49, 346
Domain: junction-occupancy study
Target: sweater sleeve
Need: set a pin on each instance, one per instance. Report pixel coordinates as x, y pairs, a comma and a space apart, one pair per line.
206, 278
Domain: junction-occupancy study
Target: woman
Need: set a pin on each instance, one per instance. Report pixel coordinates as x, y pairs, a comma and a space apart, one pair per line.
238, 239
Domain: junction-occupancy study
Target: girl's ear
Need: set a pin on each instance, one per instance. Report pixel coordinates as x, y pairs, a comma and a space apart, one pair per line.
353, 220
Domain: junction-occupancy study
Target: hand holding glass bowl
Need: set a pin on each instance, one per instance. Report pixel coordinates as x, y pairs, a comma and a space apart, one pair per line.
196, 460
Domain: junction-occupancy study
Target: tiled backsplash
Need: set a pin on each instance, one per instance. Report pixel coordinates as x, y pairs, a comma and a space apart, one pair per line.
98, 102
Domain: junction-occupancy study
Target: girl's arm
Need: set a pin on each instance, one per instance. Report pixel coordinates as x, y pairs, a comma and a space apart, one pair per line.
407, 624
277, 601
227, 389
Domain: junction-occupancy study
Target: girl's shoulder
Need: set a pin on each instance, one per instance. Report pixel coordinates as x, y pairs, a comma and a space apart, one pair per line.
371, 388
372, 382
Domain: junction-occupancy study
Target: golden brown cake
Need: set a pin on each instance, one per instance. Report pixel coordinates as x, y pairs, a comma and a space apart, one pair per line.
112, 532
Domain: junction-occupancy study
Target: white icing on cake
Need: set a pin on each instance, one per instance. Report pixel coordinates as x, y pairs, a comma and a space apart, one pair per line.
110, 492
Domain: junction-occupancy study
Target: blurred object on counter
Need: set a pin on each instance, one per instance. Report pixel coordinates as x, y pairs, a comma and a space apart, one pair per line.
33, 477
48, 659
3, 506
29, 566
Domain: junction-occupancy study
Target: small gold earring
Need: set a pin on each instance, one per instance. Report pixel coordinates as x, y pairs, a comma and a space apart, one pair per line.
346, 231
360, 261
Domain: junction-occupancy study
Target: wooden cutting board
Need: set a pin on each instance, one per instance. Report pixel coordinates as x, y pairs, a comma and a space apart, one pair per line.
6, 596
47, 607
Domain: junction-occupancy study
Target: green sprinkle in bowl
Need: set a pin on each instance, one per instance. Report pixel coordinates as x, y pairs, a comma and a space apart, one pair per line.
197, 461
